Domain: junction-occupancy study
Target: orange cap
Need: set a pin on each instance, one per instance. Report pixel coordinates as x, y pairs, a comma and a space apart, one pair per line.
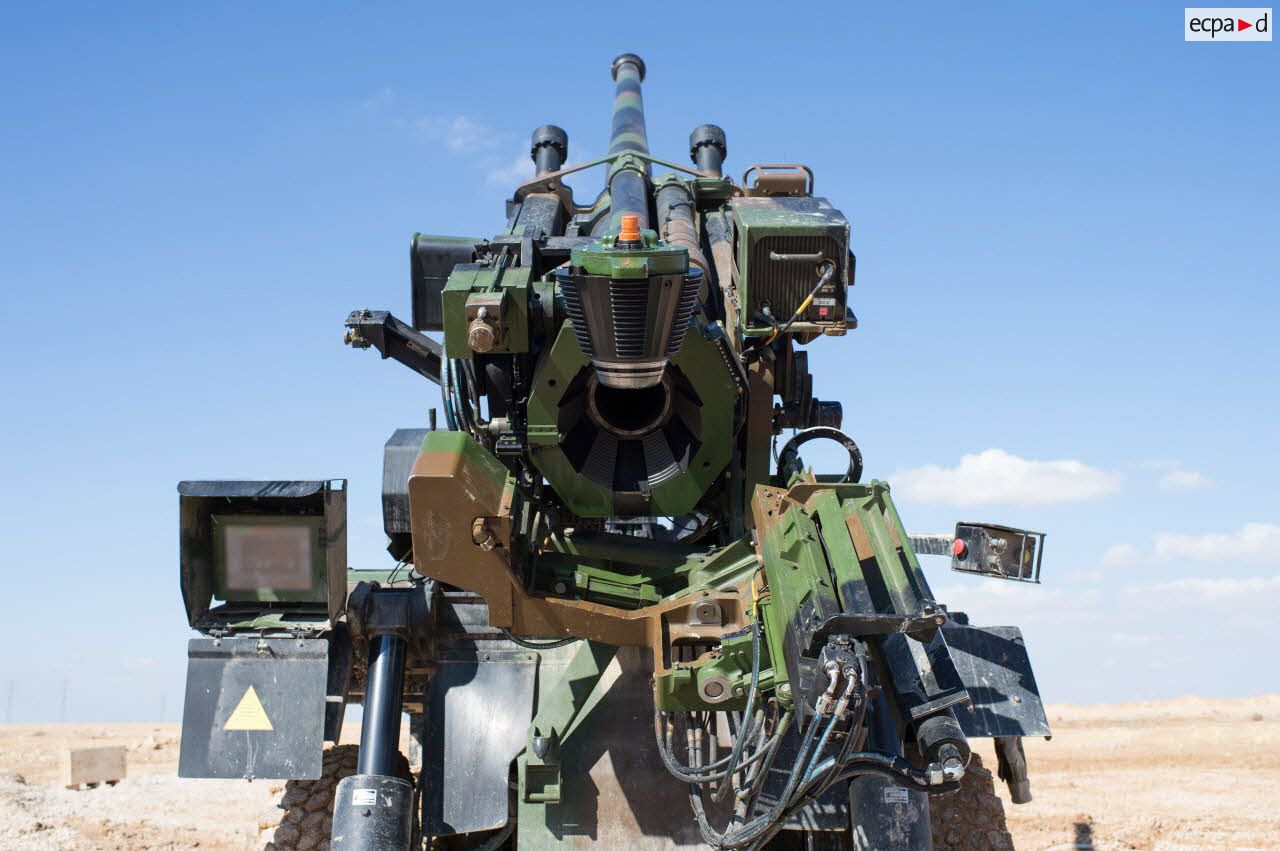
630, 228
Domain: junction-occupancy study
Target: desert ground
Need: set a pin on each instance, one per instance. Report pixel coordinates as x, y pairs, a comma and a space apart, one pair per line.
1186, 773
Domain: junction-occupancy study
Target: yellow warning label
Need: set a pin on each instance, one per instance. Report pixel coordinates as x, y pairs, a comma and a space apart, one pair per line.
248, 714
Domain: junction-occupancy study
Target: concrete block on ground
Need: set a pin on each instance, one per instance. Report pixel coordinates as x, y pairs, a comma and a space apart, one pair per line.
91, 766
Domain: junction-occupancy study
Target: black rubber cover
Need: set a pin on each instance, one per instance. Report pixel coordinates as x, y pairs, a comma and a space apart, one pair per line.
707, 147
372, 812
549, 147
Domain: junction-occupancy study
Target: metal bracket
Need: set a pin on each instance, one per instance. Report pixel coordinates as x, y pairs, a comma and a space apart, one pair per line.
540, 770
394, 339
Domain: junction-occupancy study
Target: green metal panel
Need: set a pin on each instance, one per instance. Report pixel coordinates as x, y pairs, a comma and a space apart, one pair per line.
844, 551
513, 284
656, 258
783, 219
700, 362
480, 459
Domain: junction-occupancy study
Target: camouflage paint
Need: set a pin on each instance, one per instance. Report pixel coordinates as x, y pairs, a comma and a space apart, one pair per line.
700, 362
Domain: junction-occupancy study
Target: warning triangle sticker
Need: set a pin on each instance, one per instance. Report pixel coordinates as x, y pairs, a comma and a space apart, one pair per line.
248, 714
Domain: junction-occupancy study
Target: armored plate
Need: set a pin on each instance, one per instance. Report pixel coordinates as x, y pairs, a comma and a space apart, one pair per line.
615, 791
996, 671
478, 716
400, 452
254, 708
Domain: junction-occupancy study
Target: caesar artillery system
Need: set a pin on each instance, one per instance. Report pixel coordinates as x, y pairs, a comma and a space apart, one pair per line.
615, 614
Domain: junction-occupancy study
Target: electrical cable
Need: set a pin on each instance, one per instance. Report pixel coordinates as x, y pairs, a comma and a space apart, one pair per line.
828, 270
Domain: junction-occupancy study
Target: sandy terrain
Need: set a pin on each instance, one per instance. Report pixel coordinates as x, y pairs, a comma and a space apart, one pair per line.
1188, 773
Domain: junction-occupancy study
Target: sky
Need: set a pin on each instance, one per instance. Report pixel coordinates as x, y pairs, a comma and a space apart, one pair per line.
1065, 219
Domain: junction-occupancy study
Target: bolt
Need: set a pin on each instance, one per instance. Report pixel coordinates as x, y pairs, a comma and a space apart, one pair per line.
713, 689
560, 588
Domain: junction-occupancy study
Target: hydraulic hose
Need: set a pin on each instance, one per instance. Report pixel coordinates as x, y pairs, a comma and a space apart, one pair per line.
703, 774
676, 224
738, 836
895, 769
719, 793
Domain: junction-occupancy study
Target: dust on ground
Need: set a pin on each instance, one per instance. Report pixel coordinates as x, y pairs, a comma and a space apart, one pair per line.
1186, 773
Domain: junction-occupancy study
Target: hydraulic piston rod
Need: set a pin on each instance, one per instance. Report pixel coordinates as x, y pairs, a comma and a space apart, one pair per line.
380, 731
373, 808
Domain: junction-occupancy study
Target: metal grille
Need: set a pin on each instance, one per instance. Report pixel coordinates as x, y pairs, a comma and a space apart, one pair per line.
660, 464
629, 304
785, 285
574, 305
684, 310
602, 459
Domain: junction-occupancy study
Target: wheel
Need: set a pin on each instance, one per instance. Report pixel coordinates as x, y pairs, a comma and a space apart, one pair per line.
972, 817
303, 818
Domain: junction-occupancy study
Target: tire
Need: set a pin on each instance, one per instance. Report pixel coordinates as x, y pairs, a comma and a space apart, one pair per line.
972, 817
303, 817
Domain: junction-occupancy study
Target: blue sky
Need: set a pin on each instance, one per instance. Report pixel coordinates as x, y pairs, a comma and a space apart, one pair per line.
1065, 220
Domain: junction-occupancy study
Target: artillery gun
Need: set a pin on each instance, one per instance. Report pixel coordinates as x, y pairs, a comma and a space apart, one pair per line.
617, 613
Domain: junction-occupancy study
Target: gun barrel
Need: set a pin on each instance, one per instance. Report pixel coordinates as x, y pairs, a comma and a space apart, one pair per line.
628, 185
628, 132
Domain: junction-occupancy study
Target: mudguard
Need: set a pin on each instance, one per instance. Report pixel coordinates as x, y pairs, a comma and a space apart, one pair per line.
996, 671
478, 714
254, 708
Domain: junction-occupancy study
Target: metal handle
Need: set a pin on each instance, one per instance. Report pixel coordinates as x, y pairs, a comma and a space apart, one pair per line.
780, 167
815, 257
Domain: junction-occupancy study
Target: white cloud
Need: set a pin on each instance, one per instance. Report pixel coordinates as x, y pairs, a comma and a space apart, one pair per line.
1253, 543
1175, 477
1246, 592
996, 476
1183, 480
517, 171
989, 601
1121, 555
379, 99
1135, 637
458, 132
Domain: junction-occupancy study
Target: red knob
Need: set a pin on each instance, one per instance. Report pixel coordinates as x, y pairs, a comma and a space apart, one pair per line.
958, 549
